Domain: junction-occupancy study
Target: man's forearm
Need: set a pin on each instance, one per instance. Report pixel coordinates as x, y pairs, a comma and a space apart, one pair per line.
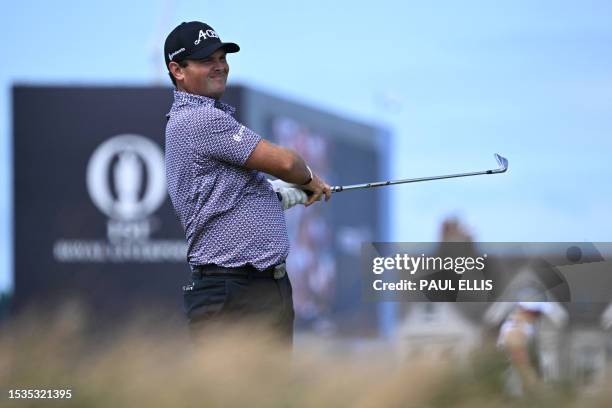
297, 171
280, 162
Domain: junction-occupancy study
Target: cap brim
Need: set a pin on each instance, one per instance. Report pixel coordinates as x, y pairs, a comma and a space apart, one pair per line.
205, 52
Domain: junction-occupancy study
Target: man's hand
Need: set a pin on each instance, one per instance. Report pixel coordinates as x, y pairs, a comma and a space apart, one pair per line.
316, 188
290, 194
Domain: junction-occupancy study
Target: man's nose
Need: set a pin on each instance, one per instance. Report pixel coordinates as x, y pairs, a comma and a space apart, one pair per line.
219, 65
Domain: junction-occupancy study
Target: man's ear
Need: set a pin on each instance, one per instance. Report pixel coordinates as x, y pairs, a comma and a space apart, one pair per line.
176, 70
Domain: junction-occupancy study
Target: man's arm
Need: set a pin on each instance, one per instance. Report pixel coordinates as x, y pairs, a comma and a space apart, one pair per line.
289, 166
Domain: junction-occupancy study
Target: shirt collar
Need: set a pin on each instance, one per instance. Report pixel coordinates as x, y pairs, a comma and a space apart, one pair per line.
192, 99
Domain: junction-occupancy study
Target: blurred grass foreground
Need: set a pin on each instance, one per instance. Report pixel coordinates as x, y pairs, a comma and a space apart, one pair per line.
147, 364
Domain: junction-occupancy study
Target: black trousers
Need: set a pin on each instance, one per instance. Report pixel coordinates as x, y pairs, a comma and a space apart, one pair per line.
233, 300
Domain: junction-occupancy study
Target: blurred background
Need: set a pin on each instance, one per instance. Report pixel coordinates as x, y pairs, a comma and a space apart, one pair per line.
366, 91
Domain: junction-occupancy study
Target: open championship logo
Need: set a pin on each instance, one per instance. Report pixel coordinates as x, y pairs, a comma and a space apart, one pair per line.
126, 182
125, 162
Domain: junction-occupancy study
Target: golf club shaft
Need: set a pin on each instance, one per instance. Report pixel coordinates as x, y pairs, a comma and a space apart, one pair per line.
503, 166
338, 189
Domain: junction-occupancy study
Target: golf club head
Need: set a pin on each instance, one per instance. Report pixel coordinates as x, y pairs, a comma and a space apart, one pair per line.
503, 163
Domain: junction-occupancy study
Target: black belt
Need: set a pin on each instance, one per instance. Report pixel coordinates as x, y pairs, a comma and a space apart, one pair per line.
274, 272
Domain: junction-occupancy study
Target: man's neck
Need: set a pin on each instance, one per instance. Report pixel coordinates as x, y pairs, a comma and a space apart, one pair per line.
181, 89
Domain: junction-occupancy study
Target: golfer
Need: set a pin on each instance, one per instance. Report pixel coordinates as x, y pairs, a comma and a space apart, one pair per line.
231, 213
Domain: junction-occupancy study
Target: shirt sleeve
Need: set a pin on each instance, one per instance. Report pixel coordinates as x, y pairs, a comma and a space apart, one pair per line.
222, 137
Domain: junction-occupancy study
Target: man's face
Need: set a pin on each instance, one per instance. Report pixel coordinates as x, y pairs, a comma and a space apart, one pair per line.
206, 77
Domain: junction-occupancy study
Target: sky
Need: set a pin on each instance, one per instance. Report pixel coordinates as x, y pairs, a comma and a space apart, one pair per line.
453, 82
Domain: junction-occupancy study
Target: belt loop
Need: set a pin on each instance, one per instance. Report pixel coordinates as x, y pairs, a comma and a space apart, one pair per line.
279, 271
196, 273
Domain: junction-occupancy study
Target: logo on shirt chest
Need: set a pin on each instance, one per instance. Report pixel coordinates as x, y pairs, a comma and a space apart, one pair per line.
238, 136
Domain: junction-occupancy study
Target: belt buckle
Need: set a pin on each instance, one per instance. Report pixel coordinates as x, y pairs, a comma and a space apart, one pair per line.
279, 271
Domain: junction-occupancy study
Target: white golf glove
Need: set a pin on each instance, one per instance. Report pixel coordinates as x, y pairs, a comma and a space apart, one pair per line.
290, 193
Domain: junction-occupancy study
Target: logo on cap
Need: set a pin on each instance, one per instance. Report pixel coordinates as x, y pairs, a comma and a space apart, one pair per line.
172, 55
202, 35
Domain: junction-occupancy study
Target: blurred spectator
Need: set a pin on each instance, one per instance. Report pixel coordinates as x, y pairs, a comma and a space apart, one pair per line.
517, 340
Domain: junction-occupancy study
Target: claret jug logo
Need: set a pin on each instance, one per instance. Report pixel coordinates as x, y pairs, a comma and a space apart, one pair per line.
125, 177
126, 181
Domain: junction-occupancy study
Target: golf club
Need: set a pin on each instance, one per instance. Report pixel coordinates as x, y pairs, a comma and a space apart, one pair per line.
502, 161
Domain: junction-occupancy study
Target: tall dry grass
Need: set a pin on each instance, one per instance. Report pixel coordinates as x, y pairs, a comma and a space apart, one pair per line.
147, 365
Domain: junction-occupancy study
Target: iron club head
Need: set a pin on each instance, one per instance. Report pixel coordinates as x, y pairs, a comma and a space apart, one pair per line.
503, 163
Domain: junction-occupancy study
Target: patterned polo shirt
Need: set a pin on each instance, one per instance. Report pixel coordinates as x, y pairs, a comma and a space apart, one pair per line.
230, 214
